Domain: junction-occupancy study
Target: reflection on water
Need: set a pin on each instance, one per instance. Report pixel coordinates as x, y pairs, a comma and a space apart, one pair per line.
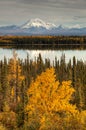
51, 54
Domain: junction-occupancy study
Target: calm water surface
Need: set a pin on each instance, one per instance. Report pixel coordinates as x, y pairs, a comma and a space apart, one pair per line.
51, 54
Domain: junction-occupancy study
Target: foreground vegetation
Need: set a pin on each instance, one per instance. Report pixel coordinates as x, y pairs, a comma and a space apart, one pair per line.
44, 42
36, 95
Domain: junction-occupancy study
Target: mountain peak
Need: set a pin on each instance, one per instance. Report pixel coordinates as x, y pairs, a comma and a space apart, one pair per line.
39, 27
37, 20
37, 23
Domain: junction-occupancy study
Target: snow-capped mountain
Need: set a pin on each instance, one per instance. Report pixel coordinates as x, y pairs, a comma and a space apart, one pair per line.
38, 23
39, 27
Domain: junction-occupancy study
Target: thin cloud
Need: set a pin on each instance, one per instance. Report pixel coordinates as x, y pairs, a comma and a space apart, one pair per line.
80, 17
78, 4
56, 11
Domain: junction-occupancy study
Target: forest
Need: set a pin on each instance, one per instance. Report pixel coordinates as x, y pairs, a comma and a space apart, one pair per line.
40, 95
44, 42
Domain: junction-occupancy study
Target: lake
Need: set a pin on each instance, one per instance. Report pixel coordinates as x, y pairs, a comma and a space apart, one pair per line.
51, 54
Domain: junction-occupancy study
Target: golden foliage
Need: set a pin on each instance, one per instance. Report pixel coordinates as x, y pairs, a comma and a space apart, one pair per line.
15, 77
2, 127
8, 119
48, 98
83, 117
15, 70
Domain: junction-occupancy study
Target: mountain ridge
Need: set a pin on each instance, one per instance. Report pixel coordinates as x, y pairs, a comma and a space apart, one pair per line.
39, 27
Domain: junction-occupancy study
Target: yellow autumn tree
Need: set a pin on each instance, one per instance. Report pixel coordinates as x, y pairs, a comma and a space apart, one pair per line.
15, 77
49, 100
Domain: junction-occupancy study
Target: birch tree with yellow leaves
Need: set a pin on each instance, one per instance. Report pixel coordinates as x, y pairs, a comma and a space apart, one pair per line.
49, 99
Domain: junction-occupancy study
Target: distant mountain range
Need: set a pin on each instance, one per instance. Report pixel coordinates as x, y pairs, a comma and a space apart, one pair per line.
39, 27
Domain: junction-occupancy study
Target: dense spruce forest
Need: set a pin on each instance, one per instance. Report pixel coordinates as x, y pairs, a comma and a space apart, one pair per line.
44, 42
39, 95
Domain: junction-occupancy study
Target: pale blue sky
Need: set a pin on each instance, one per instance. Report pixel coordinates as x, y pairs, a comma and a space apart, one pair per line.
65, 12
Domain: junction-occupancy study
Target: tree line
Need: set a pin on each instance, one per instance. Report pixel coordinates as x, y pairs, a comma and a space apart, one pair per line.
44, 42
40, 95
